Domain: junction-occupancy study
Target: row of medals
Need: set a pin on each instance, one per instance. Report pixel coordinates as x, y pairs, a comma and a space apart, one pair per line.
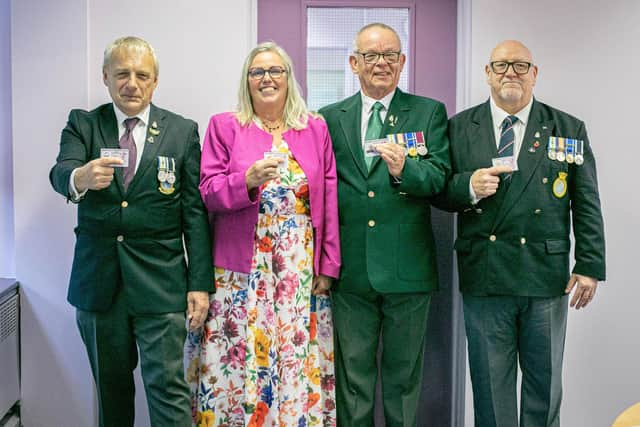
412, 141
558, 149
166, 175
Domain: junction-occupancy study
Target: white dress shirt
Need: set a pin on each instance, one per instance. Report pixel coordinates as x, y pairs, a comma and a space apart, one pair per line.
497, 116
139, 134
367, 109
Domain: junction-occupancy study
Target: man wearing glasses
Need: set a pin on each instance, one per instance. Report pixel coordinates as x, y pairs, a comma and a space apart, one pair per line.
523, 172
391, 154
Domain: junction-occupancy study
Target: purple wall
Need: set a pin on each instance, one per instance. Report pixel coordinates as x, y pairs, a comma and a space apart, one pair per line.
433, 48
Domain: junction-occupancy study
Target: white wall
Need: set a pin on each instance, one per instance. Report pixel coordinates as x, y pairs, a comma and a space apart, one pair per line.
7, 262
587, 52
56, 58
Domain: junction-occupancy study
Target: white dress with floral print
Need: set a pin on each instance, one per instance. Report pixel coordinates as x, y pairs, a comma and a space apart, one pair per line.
265, 355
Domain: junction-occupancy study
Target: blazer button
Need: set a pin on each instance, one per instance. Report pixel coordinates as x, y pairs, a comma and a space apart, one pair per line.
371, 194
120, 238
493, 237
124, 204
545, 180
371, 223
479, 210
523, 241
537, 211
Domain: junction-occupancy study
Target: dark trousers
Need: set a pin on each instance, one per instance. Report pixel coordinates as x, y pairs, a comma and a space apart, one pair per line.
112, 339
503, 331
360, 322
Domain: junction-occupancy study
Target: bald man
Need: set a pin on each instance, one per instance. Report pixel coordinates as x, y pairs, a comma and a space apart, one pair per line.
523, 173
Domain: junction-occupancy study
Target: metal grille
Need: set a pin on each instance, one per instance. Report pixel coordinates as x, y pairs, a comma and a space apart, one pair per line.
8, 317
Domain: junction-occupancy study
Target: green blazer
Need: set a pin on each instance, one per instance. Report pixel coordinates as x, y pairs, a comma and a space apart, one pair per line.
517, 241
134, 240
385, 227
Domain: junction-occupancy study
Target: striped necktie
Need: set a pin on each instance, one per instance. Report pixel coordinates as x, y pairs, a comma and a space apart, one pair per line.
507, 137
507, 141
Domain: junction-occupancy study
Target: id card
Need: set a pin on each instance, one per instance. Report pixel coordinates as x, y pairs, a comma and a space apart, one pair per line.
370, 147
505, 161
121, 153
284, 165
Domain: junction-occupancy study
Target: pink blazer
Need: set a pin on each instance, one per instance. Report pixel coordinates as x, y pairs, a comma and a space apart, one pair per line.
229, 150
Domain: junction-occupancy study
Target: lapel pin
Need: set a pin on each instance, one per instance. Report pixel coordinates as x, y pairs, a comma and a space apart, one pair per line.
535, 146
154, 131
154, 125
392, 120
150, 139
537, 135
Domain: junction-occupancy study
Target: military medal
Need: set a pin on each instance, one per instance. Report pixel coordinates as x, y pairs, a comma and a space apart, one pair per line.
571, 144
560, 153
166, 174
579, 152
551, 148
412, 143
560, 185
422, 146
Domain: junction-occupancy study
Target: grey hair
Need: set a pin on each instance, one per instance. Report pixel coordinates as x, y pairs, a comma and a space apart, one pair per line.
295, 113
374, 25
130, 42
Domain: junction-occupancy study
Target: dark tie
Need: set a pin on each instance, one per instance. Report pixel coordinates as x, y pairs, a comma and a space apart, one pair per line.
507, 137
127, 142
374, 129
507, 141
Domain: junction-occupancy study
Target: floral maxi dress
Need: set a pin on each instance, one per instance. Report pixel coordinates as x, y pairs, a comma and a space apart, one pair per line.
265, 354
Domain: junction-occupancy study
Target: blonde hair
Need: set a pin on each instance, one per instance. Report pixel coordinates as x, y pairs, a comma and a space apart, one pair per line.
295, 113
130, 42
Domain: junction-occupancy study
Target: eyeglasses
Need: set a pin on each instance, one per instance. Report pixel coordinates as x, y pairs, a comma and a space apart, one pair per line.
259, 73
519, 67
374, 57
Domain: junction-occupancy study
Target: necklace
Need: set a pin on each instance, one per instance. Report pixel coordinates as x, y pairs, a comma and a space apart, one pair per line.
274, 125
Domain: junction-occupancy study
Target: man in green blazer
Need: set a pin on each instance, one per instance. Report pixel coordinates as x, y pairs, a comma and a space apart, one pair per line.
130, 281
387, 246
523, 173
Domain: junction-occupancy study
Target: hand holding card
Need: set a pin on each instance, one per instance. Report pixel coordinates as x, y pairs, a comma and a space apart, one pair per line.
505, 161
120, 153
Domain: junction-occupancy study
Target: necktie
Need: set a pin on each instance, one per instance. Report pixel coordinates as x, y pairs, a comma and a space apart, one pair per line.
507, 137
507, 141
374, 128
127, 142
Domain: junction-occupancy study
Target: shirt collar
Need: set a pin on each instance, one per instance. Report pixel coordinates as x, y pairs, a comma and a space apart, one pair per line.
498, 114
367, 102
142, 115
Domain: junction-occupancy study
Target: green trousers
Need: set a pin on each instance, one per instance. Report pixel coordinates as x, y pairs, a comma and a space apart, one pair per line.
503, 331
112, 339
399, 321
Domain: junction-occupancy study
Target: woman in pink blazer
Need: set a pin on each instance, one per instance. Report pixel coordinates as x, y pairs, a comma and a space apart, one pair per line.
268, 178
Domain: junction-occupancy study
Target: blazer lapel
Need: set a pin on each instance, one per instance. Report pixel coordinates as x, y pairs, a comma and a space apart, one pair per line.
152, 142
538, 129
395, 119
350, 124
109, 131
